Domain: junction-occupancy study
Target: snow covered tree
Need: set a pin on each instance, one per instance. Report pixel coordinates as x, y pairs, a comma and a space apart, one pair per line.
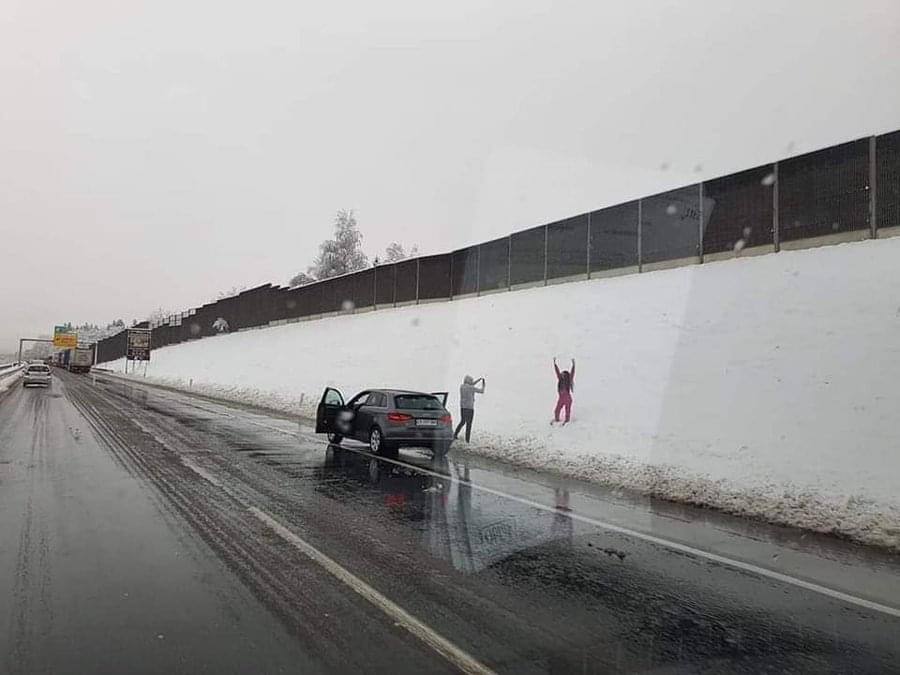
395, 252
342, 254
300, 279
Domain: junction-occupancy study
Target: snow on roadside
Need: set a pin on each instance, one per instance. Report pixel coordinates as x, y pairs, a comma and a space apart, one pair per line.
763, 386
9, 376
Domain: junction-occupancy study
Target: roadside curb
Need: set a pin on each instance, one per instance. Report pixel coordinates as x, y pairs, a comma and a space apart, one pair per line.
275, 412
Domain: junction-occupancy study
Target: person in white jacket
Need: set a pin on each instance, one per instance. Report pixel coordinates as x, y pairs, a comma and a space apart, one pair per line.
467, 391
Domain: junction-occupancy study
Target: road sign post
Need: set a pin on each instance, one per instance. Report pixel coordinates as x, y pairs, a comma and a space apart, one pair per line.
137, 346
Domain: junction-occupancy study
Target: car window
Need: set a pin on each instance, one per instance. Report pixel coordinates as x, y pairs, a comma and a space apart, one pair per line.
417, 402
359, 399
38, 369
332, 397
374, 399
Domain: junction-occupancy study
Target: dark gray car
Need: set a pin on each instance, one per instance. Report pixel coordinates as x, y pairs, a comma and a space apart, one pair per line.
387, 419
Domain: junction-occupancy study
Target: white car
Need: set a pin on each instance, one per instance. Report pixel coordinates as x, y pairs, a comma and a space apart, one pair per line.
37, 373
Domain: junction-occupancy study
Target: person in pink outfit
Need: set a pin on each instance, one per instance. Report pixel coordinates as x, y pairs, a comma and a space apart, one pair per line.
565, 385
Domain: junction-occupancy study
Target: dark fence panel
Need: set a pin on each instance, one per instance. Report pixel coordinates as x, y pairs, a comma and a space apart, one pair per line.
614, 237
567, 247
887, 164
364, 288
434, 277
340, 293
527, 251
385, 278
335, 292
824, 192
670, 225
215, 311
311, 300
493, 265
293, 302
740, 210
407, 279
465, 271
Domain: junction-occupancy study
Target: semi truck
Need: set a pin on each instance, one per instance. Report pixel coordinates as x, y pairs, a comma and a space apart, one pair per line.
82, 359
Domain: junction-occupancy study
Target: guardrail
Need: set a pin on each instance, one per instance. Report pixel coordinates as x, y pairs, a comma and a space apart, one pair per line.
9, 369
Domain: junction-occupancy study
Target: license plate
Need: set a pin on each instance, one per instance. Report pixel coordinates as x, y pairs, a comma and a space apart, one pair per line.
426, 423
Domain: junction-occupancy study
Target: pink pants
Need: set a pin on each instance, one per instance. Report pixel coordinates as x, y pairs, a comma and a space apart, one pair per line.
564, 401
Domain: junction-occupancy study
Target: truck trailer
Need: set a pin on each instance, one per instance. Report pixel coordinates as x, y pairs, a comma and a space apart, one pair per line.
82, 360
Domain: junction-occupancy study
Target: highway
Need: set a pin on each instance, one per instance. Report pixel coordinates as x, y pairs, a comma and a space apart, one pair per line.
146, 530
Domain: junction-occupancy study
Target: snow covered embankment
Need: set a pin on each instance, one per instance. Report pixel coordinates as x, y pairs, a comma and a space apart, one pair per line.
9, 375
762, 386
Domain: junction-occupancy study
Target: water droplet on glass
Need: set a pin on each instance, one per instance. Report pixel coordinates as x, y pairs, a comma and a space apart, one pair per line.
664, 166
747, 231
835, 227
768, 179
348, 306
195, 329
739, 245
698, 168
790, 146
291, 303
671, 209
415, 321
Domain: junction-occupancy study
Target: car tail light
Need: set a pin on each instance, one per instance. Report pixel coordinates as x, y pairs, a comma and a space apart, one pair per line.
398, 418
448, 420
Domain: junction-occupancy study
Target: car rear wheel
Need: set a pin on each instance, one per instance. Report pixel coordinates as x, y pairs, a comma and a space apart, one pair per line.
376, 441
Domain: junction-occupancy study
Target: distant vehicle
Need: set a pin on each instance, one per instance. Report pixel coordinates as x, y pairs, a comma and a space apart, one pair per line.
61, 358
82, 360
387, 419
37, 373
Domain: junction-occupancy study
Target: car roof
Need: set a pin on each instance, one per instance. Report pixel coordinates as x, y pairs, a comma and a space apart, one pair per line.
400, 391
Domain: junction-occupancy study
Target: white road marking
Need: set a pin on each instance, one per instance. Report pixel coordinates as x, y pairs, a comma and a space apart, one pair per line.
203, 473
667, 543
459, 658
462, 660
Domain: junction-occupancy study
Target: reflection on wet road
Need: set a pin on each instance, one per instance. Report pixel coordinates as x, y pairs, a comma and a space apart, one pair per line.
516, 572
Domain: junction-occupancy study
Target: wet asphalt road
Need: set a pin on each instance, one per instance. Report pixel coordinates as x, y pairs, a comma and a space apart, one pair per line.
149, 531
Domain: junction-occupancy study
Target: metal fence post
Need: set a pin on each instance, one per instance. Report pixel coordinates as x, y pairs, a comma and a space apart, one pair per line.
478, 269
700, 224
546, 249
873, 188
776, 222
509, 263
588, 270
640, 235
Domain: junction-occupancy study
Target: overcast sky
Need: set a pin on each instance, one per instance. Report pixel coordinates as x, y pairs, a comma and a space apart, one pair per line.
153, 154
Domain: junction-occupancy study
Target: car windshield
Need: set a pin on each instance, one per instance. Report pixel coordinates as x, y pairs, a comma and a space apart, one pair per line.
38, 369
417, 402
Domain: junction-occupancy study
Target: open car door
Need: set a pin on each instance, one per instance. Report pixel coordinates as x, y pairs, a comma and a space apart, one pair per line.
331, 404
440, 396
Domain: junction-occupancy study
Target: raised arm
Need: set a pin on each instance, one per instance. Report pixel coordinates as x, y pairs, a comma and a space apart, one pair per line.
573, 370
556, 368
480, 390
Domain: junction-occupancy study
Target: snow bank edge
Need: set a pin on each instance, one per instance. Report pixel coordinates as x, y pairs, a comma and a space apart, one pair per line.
860, 520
